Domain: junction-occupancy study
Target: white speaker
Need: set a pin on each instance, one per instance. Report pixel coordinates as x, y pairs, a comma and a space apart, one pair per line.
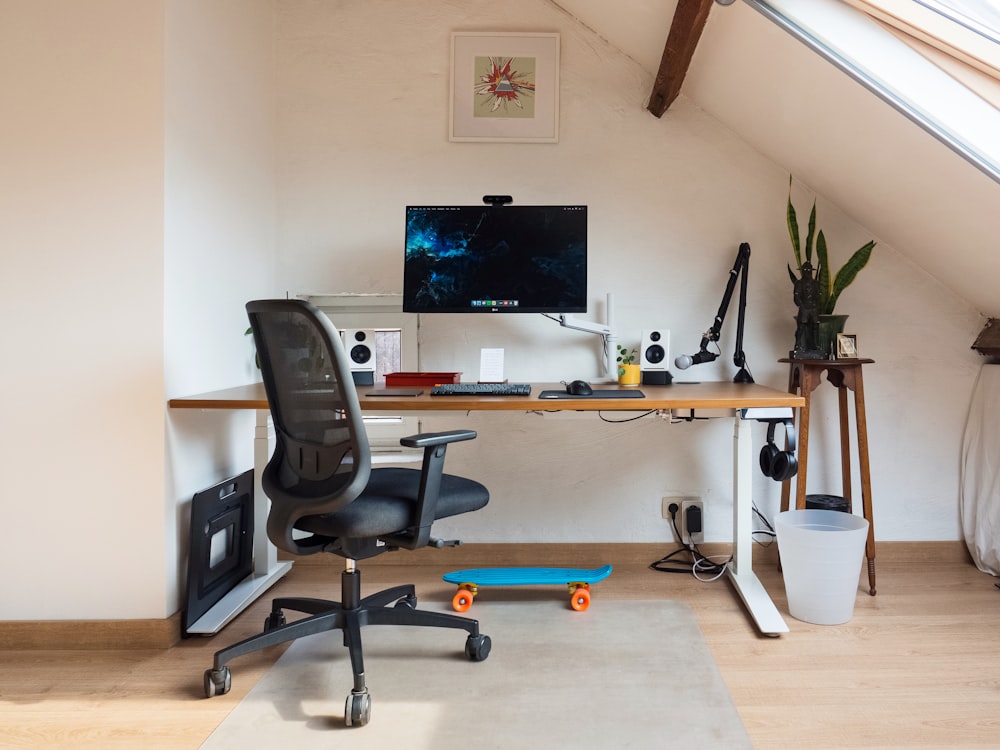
654, 356
360, 346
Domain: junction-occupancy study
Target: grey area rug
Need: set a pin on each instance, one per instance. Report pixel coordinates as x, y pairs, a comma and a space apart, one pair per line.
623, 674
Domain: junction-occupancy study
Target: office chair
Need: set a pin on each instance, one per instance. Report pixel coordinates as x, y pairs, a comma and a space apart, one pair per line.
326, 497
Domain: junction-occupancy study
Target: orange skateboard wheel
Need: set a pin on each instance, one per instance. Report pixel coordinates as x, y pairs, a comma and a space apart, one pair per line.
581, 598
462, 601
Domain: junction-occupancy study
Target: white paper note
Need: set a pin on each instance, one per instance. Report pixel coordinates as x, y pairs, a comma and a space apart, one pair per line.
491, 366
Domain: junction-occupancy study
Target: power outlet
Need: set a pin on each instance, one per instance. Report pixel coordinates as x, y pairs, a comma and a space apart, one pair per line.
677, 500
692, 522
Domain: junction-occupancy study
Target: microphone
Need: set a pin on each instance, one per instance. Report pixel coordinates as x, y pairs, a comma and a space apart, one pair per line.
686, 360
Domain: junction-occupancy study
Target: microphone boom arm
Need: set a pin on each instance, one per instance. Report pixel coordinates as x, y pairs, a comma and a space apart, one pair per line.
740, 270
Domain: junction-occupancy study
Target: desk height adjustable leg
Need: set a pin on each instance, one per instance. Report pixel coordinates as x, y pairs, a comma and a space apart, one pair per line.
740, 569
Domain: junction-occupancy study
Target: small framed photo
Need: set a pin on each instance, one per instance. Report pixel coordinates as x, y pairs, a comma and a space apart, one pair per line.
847, 346
504, 87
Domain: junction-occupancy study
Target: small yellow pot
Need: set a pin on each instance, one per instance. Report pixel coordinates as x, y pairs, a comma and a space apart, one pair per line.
629, 374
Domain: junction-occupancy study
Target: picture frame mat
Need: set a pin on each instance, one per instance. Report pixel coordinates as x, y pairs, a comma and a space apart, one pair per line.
544, 48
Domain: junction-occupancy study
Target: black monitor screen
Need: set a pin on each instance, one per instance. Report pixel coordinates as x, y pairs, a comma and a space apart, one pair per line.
495, 259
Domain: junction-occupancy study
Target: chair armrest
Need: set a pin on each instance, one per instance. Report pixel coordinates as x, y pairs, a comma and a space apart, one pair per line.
428, 439
435, 445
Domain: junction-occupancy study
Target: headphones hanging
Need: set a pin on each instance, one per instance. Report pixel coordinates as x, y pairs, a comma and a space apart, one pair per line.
777, 464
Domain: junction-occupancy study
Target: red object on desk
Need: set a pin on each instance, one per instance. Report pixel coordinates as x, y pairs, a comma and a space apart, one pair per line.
421, 378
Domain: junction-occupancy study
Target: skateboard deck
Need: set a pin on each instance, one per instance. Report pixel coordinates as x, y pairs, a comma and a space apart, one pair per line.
577, 580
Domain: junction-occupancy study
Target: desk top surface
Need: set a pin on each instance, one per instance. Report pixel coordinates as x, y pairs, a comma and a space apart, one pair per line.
842, 362
679, 395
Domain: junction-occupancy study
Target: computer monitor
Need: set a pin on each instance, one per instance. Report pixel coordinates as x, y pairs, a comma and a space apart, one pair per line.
495, 259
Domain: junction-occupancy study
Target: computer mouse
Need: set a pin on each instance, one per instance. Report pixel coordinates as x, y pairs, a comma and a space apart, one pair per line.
579, 388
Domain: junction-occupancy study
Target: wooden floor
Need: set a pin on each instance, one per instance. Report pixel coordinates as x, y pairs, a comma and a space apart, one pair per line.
918, 666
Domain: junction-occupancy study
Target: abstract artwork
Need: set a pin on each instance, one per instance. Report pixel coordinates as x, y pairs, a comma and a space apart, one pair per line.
505, 87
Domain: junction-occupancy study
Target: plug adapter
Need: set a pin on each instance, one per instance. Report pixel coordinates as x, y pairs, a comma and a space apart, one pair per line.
692, 522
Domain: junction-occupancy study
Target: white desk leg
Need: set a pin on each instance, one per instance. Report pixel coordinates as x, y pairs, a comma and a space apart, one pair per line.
740, 570
266, 567
265, 554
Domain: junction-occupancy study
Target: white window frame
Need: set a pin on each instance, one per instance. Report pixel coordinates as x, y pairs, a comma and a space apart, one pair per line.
936, 30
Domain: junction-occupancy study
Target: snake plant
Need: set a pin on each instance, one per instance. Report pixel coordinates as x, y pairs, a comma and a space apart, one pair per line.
830, 286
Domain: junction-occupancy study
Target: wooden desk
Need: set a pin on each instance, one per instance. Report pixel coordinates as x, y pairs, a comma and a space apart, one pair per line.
740, 397
804, 376
677, 396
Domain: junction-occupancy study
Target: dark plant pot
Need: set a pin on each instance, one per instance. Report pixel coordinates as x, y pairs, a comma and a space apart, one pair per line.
829, 327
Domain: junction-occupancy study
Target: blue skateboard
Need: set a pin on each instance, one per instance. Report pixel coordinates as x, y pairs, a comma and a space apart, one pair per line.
578, 581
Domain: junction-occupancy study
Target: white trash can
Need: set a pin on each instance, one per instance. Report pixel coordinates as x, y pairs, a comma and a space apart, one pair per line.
821, 554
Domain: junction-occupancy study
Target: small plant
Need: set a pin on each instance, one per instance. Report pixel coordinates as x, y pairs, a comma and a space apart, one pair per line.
626, 356
830, 286
256, 354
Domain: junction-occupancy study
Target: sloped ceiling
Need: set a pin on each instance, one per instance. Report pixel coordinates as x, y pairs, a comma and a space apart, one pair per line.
844, 143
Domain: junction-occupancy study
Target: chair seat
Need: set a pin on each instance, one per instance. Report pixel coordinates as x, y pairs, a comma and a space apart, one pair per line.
387, 504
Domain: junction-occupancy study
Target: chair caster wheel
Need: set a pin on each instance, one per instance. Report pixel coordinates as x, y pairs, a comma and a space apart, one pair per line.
218, 682
477, 647
358, 709
407, 602
274, 621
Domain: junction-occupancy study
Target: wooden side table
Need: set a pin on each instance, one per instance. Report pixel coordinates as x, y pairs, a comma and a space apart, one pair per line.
804, 375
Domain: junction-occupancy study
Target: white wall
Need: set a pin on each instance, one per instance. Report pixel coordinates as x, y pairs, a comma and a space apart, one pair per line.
138, 185
81, 297
801, 111
219, 236
363, 131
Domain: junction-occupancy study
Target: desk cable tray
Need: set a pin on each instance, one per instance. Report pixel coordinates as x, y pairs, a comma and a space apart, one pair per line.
595, 394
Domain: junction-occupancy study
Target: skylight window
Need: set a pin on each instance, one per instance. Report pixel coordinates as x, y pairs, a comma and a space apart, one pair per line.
966, 30
979, 16
955, 98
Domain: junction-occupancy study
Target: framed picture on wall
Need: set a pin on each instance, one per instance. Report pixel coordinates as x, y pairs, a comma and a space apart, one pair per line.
504, 87
847, 346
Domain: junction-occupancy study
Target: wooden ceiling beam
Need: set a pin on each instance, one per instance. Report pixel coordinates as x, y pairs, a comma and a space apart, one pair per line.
685, 32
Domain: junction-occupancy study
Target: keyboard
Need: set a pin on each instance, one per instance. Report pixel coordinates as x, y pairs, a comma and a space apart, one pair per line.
482, 389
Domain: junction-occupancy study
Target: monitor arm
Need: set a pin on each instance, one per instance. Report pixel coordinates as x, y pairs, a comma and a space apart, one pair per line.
606, 331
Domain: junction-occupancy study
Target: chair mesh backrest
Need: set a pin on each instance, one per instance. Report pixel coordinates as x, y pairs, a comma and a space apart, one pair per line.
322, 459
